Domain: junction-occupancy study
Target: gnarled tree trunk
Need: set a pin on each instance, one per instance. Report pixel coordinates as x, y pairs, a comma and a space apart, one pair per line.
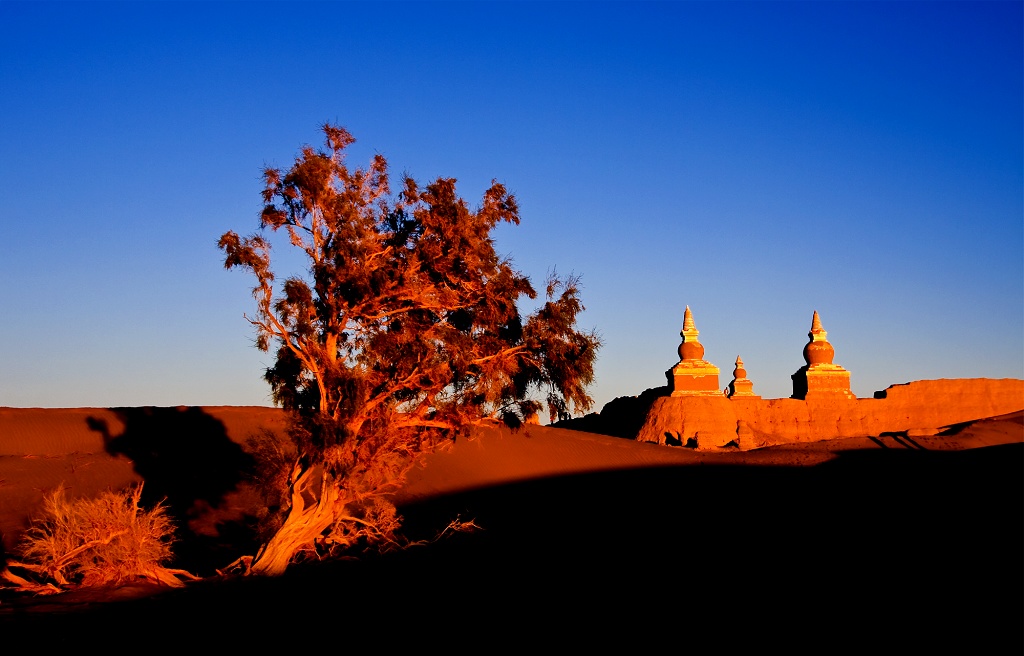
316, 503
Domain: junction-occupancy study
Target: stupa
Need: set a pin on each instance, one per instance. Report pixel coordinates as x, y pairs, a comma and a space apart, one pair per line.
819, 378
740, 387
692, 375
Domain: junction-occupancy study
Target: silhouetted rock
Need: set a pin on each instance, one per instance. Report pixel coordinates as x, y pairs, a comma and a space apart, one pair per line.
620, 417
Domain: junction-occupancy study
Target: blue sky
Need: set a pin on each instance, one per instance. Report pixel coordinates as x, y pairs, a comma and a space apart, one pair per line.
755, 161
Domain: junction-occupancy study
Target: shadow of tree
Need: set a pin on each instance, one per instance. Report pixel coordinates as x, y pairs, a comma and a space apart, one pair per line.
187, 461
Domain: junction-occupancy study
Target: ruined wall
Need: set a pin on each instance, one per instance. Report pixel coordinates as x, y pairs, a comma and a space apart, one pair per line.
922, 407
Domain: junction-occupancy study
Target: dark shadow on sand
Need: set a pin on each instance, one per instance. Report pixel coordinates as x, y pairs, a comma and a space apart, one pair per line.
880, 547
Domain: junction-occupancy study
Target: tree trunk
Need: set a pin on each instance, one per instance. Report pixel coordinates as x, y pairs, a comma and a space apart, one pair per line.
313, 511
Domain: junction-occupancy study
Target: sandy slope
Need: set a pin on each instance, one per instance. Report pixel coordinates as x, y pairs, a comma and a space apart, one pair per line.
498, 455
41, 449
855, 543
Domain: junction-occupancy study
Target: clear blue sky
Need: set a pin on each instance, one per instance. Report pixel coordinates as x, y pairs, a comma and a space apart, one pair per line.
754, 161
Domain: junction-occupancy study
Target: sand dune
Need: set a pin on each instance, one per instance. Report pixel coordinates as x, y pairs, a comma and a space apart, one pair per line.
41, 449
499, 456
860, 542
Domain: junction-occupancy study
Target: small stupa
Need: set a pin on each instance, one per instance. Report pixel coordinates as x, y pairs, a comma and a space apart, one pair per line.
692, 375
740, 387
819, 378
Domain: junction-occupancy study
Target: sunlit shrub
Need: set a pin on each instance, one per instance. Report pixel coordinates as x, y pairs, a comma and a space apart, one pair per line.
105, 540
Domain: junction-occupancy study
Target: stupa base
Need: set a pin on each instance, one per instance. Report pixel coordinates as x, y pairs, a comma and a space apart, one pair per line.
822, 381
694, 378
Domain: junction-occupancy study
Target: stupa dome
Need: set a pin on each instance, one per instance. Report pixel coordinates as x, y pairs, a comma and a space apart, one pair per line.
818, 350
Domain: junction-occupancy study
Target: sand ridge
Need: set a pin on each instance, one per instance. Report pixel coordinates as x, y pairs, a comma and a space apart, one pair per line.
41, 449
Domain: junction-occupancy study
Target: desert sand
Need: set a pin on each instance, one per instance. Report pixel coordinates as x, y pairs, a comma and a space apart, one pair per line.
864, 542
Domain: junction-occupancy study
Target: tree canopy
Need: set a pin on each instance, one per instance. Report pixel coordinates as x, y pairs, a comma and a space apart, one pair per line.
405, 331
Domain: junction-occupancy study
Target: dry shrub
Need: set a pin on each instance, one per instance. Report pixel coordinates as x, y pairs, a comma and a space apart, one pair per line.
373, 522
107, 540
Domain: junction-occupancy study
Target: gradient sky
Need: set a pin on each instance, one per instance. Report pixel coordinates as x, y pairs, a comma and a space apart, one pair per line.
755, 161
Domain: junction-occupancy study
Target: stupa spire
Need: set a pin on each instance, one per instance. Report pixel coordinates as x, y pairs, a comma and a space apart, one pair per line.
688, 320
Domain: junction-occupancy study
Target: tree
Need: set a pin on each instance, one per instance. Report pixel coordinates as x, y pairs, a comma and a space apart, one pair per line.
404, 333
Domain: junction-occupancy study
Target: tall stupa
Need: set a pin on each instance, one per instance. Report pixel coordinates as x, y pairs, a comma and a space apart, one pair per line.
692, 375
820, 378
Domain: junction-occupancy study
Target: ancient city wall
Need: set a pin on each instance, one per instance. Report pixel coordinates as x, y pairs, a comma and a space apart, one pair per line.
923, 408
